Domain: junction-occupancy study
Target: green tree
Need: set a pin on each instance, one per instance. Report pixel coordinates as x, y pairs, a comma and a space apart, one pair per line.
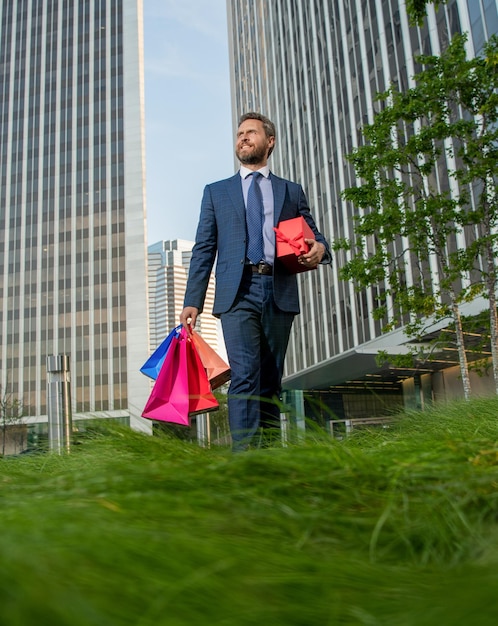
219, 425
413, 207
11, 412
417, 9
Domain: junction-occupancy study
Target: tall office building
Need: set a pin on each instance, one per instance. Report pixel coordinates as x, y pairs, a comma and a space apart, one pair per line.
72, 210
314, 67
169, 263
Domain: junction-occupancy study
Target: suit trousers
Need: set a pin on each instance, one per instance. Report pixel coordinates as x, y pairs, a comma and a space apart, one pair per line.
256, 334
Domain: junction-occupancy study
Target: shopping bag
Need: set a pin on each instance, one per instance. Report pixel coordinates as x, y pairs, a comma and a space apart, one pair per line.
290, 244
218, 372
201, 398
168, 400
182, 387
153, 364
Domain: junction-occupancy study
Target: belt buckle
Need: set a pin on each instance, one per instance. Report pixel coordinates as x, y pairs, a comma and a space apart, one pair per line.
263, 268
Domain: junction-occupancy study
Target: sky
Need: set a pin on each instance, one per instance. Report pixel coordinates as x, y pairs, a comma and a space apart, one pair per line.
188, 123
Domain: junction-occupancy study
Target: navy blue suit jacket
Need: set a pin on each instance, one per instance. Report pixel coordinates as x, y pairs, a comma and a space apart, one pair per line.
222, 232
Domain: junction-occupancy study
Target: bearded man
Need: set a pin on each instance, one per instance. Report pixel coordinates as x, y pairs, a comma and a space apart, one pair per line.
255, 297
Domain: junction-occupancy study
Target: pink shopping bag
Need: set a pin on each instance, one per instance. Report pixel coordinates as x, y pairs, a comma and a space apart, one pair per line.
182, 387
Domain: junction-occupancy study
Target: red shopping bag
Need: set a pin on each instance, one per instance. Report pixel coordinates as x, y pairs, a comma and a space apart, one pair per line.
181, 388
201, 398
218, 372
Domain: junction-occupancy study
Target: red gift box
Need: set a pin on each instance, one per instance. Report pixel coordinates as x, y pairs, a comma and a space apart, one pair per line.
290, 236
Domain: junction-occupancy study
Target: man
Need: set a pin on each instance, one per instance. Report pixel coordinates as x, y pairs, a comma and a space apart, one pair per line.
255, 298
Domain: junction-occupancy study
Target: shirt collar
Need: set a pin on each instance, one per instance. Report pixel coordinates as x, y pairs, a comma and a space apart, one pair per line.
245, 171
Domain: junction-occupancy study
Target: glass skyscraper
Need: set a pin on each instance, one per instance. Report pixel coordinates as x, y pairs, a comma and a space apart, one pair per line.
169, 263
72, 209
314, 67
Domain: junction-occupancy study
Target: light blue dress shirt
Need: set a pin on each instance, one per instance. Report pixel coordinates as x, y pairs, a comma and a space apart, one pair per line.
268, 222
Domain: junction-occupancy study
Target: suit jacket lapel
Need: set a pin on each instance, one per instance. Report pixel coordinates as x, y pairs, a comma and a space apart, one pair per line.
279, 188
234, 190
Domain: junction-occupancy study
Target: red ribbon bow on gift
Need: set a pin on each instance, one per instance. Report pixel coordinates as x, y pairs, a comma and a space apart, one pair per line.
297, 242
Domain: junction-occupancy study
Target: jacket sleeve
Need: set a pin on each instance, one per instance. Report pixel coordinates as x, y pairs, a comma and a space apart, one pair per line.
203, 254
304, 210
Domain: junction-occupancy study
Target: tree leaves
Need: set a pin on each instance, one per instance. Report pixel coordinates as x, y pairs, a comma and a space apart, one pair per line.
426, 172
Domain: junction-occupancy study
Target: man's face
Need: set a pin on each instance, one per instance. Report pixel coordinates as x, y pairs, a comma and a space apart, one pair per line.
252, 144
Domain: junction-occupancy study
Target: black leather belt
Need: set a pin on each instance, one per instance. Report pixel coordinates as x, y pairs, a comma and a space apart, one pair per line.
261, 268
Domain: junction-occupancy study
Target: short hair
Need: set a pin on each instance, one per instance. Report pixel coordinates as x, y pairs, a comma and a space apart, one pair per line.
268, 125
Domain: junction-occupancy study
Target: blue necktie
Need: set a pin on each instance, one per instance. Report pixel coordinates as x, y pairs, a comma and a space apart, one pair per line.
254, 218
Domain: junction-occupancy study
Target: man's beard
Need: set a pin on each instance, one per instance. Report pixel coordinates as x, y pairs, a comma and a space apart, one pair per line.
252, 158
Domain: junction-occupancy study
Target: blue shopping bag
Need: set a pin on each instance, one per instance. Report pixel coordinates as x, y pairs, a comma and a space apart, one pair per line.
154, 363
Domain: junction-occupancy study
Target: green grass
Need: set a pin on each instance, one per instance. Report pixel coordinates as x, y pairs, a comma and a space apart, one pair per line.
394, 527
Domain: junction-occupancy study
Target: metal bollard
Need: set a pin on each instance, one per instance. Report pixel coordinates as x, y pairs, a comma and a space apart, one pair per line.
59, 403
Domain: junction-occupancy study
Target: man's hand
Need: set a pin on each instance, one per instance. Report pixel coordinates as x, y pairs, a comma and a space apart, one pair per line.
189, 316
314, 256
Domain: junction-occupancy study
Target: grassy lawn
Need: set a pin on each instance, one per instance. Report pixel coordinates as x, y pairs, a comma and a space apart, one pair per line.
394, 527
